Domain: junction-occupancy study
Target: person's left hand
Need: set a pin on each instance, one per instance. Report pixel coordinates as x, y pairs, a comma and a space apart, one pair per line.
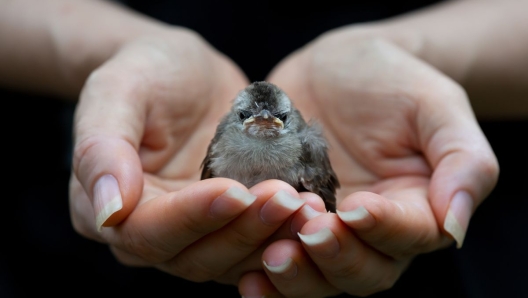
412, 162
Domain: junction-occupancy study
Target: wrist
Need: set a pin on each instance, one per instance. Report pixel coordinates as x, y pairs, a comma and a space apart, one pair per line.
423, 34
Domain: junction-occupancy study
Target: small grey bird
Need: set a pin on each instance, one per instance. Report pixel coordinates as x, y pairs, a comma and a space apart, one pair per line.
265, 137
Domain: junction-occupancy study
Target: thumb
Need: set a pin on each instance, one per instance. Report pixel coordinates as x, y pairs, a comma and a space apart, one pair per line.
108, 129
465, 170
461, 181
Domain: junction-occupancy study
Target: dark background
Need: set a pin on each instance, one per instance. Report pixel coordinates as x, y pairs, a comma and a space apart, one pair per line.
40, 253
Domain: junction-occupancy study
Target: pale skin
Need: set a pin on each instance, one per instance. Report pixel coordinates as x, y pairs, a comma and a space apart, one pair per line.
149, 101
412, 164
400, 160
150, 98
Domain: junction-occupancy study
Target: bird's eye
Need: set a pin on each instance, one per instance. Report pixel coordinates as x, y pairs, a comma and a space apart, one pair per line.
283, 117
243, 115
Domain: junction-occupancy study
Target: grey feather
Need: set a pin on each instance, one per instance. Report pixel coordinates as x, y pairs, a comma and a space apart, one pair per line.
251, 145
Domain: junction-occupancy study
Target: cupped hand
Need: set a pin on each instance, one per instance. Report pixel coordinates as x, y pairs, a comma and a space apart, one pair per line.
411, 159
142, 126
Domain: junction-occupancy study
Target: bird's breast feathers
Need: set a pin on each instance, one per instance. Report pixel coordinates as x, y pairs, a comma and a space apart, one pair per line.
251, 160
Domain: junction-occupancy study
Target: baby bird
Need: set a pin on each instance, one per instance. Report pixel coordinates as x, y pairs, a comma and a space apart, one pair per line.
265, 137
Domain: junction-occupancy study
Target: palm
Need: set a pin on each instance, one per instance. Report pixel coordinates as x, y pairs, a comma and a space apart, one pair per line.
369, 98
155, 107
177, 89
370, 117
183, 118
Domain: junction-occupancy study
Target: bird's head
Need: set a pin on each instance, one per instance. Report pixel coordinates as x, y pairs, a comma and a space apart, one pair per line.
263, 110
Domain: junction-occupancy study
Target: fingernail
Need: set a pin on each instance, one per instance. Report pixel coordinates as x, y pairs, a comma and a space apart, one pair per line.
305, 214
287, 270
107, 199
323, 243
353, 215
359, 218
458, 215
231, 202
279, 207
308, 212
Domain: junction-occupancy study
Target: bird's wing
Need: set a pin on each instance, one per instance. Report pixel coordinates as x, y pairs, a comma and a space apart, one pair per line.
206, 169
317, 175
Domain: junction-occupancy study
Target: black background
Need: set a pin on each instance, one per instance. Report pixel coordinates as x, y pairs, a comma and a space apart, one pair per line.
40, 253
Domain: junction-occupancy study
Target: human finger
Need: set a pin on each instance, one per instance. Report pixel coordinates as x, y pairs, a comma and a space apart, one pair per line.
346, 262
108, 130
399, 223
219, 251
163, 226
465, 167
293, 273
313, 207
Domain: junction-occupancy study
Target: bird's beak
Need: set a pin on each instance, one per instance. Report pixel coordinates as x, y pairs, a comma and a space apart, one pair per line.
264, 119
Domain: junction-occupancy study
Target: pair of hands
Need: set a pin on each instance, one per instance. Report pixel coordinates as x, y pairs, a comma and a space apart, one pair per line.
403, 141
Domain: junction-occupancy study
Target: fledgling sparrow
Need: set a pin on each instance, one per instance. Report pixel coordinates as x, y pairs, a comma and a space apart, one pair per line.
265, 137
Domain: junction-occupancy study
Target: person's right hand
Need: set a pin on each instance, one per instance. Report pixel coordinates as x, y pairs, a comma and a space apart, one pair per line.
142, 127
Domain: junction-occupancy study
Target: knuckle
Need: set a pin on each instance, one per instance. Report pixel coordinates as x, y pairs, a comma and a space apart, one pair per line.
490, 168
81, 152
127, 259
365, 277
350, 270
136, 243
194, 227
106, 76
243, 241
424, 242
385, 282
191, 269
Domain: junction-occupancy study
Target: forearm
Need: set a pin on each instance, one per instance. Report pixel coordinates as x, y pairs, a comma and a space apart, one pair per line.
483, 45
51, 46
